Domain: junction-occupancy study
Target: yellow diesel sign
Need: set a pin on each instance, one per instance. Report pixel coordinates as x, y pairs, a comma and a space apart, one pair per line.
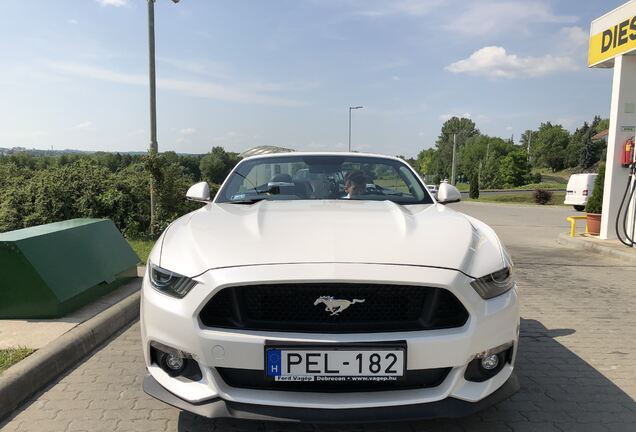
617, 39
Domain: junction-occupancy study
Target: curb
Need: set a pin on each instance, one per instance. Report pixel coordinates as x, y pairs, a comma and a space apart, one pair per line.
591, 245
25, 378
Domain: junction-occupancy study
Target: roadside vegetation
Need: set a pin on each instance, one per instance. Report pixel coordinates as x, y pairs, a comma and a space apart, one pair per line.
10, 356
42, 187
520, 198
35, 190
541, 159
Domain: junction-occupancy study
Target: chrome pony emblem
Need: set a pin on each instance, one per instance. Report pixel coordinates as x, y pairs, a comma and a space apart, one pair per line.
335, 306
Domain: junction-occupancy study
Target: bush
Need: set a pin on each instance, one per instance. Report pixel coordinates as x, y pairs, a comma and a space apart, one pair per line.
473, 192
513, 169
542, 196
595, 203
86, 188
534, 177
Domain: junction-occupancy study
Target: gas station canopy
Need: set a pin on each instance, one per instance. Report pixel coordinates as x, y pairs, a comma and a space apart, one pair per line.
612, 34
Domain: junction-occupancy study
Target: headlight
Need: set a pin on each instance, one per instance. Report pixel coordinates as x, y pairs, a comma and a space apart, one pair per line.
168, 282
494, 284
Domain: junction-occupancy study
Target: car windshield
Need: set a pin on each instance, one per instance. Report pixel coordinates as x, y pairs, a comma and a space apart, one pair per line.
323, 177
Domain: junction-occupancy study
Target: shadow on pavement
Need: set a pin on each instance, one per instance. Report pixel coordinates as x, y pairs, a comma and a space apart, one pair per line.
559, 392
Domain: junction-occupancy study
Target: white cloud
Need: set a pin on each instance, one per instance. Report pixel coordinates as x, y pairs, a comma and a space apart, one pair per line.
188, 131
398, 7
395, 78
73, 21
199, 67
87, 125
495, 62
115, 3
573, 40
257, 93
495, 17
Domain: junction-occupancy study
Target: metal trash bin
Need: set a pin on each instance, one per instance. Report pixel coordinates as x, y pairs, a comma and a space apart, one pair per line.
47, 271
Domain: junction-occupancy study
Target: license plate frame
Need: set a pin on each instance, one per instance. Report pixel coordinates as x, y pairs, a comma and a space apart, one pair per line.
399, 345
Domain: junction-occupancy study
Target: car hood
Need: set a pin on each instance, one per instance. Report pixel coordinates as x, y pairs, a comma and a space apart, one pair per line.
282, 232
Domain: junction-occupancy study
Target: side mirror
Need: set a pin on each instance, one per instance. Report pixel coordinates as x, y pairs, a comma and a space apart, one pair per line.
199, 192
448, 193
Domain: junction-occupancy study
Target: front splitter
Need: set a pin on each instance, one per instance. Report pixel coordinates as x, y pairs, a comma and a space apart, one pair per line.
219, 408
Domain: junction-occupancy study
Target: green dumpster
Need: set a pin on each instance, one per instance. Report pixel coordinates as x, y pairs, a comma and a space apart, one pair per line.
49, 270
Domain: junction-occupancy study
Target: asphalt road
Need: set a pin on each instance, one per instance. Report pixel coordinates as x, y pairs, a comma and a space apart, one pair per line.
576, 364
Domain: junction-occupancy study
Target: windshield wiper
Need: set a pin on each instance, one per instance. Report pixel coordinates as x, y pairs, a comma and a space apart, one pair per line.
246, 201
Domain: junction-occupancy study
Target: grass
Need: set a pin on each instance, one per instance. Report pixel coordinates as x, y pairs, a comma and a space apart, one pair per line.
463, 187
519, 198
542, 185
142, 248
10, 356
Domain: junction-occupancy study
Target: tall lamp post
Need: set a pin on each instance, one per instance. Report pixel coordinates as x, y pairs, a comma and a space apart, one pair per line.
453, 164
352, 108
154, 148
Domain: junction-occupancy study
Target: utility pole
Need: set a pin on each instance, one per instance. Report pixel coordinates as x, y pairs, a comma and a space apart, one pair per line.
529, 142
154, 147
453, 166
352, 108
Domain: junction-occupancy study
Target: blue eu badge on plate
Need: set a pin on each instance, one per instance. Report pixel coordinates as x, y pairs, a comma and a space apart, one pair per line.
274, 364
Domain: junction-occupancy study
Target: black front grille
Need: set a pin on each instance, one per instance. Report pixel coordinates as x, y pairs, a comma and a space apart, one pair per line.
291, 308
255, 379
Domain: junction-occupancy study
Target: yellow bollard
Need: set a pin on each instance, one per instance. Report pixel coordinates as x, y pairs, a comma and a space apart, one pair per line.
572, 220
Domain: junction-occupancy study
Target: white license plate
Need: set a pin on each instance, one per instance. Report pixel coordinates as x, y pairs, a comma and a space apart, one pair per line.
342, 364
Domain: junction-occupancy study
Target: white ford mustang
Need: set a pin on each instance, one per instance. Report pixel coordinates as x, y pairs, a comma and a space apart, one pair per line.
329, 287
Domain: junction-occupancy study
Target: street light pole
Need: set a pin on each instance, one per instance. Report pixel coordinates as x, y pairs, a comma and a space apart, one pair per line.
453, 166
154, 148
352, 108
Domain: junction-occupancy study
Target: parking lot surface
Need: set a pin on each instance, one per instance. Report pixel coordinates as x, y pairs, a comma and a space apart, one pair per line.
576, 363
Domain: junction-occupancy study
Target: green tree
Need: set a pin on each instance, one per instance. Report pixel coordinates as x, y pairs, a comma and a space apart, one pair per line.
603, 124
485, 152
514, 169
463, 128
217, 164
427, 161
473, 192
548, 149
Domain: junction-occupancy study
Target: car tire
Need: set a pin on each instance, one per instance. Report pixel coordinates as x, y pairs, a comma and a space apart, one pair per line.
579, 208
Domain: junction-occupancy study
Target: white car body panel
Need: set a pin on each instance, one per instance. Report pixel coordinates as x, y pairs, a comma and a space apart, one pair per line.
329, 231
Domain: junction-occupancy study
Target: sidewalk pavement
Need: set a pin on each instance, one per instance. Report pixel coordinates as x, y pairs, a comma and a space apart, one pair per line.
611, 248
62, 342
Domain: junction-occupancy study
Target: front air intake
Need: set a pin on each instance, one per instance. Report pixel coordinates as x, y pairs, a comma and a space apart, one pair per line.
298, 308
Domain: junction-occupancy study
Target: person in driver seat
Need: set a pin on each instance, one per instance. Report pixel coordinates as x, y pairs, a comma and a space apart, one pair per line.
355, 184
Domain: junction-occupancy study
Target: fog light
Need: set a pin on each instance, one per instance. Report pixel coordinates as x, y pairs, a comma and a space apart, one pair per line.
172, 364
175, 363
490, 362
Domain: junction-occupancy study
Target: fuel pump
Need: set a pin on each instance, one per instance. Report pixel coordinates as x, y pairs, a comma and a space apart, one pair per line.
626, 217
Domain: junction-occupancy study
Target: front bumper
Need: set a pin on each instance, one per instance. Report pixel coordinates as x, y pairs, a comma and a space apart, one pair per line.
446, 408
175, 323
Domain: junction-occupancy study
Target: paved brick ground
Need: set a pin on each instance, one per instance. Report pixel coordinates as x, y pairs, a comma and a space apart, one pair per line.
577, 360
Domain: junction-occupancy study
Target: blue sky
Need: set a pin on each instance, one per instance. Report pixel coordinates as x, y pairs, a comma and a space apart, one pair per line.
240, 73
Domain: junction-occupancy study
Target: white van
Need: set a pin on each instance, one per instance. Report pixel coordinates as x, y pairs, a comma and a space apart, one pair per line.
579, 190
